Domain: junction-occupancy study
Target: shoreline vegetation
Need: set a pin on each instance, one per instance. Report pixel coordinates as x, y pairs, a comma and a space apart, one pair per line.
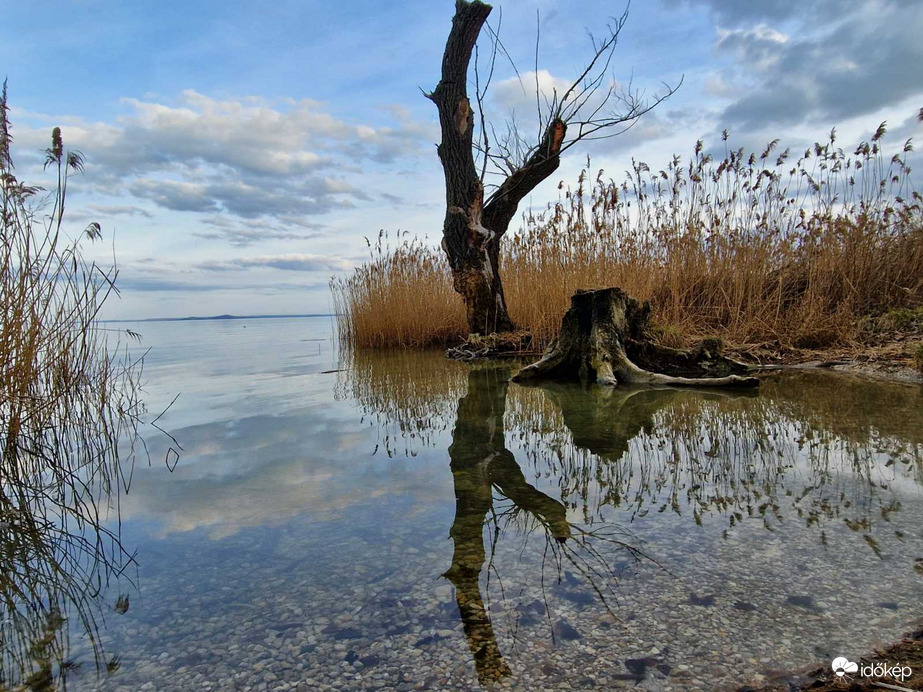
70, 419
782, 255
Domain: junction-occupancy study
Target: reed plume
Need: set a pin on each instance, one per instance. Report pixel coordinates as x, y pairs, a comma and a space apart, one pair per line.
795, 249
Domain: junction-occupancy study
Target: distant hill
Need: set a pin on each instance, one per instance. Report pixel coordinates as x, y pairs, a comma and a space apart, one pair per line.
219, 317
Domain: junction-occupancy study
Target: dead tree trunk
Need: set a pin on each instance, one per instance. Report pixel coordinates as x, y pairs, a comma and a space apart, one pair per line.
604, 338
472, 229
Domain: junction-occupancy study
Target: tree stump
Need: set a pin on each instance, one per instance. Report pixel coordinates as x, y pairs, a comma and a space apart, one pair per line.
604, 337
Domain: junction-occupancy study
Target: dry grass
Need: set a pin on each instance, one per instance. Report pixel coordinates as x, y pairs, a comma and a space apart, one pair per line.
69, 418
752, 248
402, 297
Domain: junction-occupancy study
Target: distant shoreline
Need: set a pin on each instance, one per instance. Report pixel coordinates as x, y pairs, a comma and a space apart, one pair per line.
219, 317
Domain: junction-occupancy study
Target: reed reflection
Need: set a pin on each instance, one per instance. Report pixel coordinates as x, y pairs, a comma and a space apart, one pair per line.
828, 461
796, 450
491, 491
57, 565
812, 447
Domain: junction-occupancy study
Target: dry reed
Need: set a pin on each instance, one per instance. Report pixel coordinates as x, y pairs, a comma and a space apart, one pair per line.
69, 427
752, 248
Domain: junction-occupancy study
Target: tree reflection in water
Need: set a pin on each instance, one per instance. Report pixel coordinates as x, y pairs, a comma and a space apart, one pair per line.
481, 464
824, 451
816, 448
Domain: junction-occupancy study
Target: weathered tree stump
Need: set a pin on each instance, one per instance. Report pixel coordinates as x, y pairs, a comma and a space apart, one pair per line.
604, 337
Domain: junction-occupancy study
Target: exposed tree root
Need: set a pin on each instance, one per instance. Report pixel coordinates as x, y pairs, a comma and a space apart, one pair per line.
499, 345
604, 338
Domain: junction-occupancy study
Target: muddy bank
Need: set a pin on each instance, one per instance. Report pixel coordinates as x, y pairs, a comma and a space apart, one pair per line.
894, 361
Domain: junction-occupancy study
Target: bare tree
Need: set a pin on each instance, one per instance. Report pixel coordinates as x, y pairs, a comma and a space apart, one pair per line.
592, 107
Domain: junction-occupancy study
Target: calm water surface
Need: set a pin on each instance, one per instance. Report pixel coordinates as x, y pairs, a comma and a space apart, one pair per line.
407, 522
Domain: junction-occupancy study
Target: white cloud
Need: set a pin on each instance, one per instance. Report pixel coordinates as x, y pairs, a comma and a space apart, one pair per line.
244, 232
248, 158
760, 47
742, 12
515, 95
119, 210
249, 135
175, 195
299, 262
720, 85
865, 61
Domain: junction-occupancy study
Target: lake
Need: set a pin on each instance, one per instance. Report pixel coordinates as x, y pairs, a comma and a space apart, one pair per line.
408, 522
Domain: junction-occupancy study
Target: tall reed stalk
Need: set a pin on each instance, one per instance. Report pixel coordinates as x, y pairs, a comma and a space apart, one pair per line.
750, 247
70, 411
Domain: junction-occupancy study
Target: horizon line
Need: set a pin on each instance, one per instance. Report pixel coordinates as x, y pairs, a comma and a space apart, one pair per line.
220, 317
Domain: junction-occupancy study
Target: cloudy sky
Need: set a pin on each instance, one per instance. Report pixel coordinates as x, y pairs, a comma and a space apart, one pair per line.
237, 153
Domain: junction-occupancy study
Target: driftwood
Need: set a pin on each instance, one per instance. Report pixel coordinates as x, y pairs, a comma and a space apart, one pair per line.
604, 338
498, 345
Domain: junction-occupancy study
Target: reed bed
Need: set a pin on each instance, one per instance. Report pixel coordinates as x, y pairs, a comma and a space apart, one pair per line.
768, 247
401, 297
70, 411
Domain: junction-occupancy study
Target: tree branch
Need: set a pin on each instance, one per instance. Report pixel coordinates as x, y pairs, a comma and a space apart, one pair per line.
587, 110
543, 161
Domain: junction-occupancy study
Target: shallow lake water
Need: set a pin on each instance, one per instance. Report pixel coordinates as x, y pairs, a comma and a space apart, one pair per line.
407, 522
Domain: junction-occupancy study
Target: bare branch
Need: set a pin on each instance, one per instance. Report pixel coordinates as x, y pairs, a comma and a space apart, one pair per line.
589, 108
483, 147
